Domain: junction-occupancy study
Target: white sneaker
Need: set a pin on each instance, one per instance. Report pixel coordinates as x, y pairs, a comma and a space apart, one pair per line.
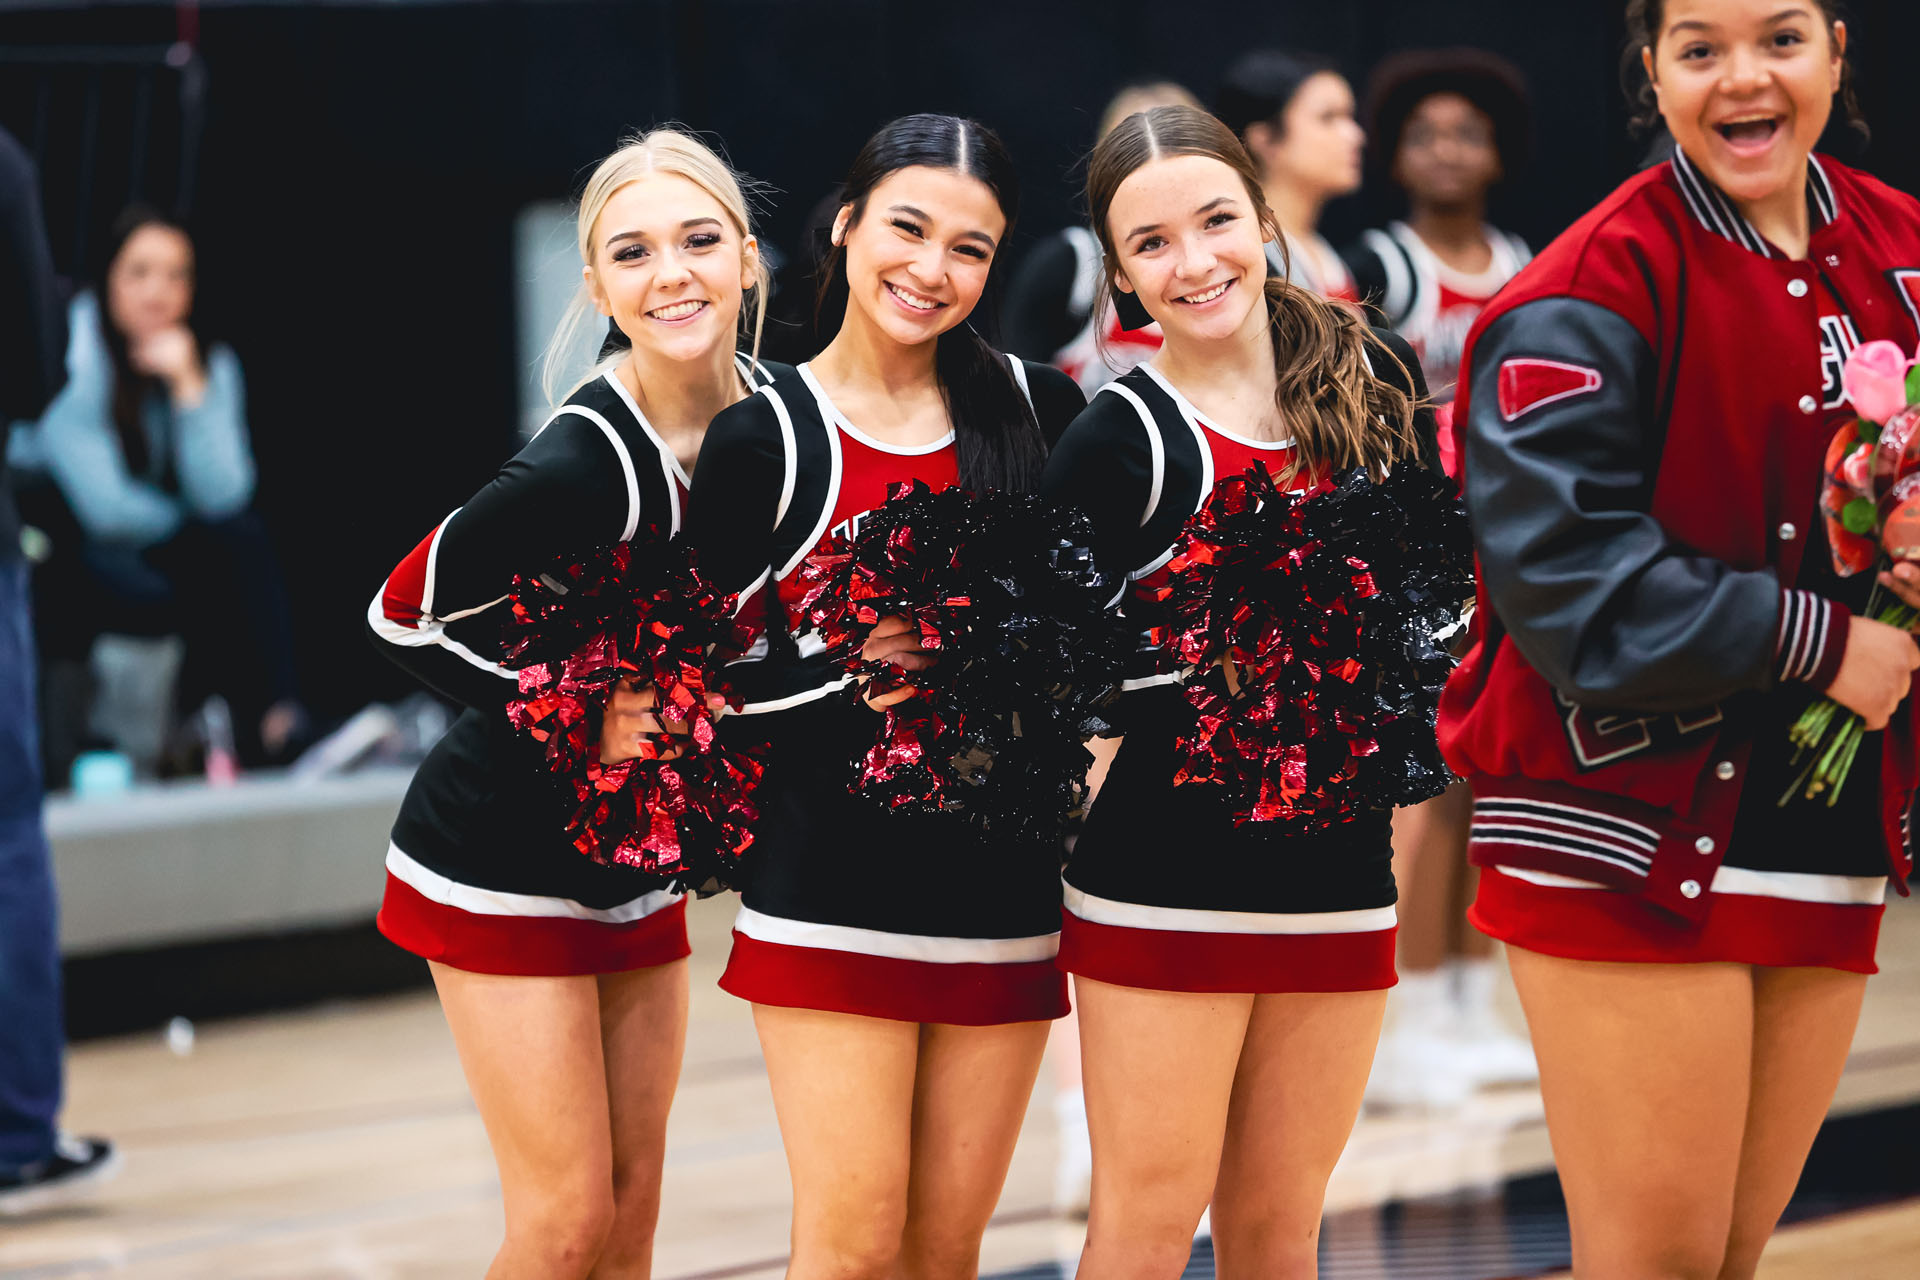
1418, 1069
1491, 1055
1073, 1166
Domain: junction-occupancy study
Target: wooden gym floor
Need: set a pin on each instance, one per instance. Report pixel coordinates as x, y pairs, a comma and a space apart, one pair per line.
338, 1143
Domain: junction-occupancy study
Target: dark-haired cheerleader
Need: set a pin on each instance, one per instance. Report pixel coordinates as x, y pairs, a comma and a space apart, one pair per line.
1230, 977
901, 972
1645, 416
564, 980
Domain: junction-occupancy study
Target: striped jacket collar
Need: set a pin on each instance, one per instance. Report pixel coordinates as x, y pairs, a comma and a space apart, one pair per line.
1714, 211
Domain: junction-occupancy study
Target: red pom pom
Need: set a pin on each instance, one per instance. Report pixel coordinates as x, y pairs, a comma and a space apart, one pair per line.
642, 615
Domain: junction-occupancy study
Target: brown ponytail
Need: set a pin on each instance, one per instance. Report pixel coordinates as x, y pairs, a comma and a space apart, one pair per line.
1340, 412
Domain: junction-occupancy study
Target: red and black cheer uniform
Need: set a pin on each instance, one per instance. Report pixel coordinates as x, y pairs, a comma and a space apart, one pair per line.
848, 908
1053, 310
1163, 891
1644, 426
1426, 301
480, 873
1311, 263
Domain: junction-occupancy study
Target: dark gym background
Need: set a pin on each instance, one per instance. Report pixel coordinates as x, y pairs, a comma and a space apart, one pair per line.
355, 184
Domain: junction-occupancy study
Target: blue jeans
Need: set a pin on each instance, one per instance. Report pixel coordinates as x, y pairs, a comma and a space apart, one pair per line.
32, 1037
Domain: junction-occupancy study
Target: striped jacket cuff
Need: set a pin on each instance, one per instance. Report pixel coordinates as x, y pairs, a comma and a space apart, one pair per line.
1812, 638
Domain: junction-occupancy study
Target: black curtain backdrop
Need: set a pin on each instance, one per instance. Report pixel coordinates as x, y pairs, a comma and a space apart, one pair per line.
362, 167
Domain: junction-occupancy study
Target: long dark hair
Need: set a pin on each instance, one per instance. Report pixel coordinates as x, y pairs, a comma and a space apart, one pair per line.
995, 432
1260, 84
1644, 20
1338, 412
131, 387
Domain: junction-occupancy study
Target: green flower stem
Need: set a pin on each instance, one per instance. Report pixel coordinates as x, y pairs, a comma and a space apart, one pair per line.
1834, 738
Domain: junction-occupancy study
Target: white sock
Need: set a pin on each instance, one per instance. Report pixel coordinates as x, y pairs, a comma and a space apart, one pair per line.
1422, 997
1474, 983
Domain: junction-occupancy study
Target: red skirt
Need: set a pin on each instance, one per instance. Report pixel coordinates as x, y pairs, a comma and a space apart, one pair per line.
486, 931
968, 982
1778, 919
1133, 944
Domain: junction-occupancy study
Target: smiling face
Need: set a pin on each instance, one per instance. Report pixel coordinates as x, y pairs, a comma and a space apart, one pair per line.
918, 256
1190, 244
1448, 154
150, 282
1317, 143
1746, 87
670, 267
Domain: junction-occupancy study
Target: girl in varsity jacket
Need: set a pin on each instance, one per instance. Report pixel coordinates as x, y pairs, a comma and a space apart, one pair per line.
901, 972
564, 981
1644, 420
1222, 1004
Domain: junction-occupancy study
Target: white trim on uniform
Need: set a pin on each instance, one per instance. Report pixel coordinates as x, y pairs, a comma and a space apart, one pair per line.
493, 902
789, 457
1790, 886
1018, 368
429, 632
1200, 426
1156, 448
1148, 682
669, 461
897, 946
794, 700
1138, 915
831, 415
626, 465
825, 521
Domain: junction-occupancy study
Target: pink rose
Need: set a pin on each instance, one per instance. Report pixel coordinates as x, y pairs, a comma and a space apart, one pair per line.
1875, 378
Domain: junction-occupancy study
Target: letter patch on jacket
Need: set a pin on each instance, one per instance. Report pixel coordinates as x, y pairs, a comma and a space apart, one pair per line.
1528, 382
1601, 738
1906, 281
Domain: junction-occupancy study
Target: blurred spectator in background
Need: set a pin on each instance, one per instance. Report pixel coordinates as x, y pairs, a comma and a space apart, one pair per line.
1447, 127
39, 1166
1053, 310
1295, 113
147, 480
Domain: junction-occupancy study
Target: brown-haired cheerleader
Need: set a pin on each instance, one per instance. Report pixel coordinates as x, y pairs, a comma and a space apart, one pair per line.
1644, 420
1228, 1015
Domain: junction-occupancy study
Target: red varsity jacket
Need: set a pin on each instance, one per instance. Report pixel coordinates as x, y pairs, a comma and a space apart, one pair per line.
1642, 426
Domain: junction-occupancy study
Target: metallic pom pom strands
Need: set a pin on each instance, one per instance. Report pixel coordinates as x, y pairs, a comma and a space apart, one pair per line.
1310, 626
681, 809
1004, 589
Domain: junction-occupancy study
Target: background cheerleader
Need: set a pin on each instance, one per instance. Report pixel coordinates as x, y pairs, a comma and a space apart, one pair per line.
1447, 126
1658, 603
564, 980
1236, 995
901, 971
1295, 113
1054, 310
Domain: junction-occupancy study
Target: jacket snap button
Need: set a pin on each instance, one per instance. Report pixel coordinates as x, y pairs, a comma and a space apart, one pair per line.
1798, 288
1689, 888
1788, 533
1808, 404
1724, 771
1703, 845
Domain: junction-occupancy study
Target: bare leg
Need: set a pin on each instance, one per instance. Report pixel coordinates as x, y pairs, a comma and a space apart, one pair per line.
532, 1054
1803, 1024
843, 1088
1645, 1070
970, 1094
1159, 1069
643, 1031
1296, 1094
